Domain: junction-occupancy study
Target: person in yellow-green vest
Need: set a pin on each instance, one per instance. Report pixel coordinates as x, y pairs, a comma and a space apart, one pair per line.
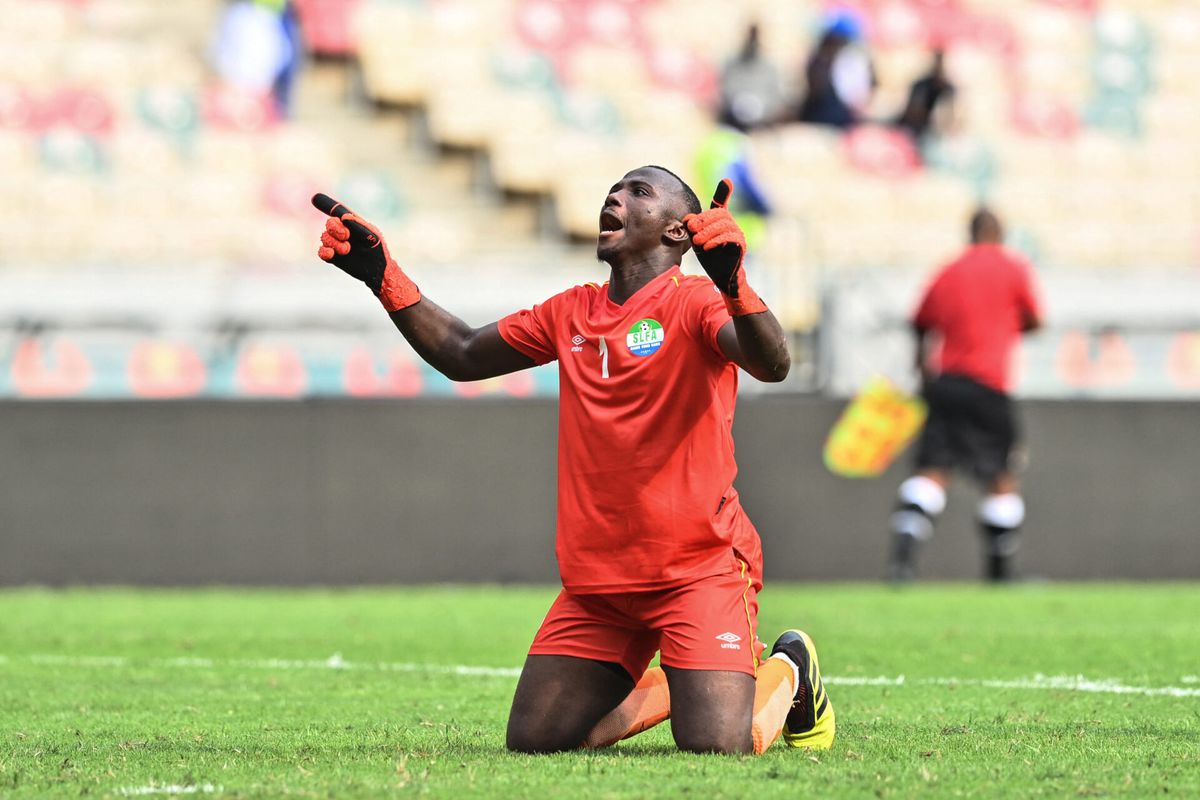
724, 152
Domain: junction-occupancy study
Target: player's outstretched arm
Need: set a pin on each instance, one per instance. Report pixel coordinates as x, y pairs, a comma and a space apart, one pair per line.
754, 339
444, 341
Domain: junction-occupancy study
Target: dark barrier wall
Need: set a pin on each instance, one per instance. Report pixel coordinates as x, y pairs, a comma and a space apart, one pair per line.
339, 492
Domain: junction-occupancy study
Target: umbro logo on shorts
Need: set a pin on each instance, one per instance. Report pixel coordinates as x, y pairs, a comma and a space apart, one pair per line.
730, 641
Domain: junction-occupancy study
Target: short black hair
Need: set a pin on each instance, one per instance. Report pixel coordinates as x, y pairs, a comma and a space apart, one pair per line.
689, 197
985, 226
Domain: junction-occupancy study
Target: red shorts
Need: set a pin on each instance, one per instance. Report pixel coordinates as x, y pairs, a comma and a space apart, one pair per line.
710, 624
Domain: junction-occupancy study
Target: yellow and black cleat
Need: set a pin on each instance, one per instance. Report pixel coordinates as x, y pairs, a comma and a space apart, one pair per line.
811, 723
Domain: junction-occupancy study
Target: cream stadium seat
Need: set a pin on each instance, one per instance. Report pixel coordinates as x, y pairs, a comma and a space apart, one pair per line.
392, 41
521, 150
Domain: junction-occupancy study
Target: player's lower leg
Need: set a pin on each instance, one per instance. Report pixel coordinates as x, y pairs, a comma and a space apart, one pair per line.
646, 706
790, 697
919, 501
1000, 518
774, 691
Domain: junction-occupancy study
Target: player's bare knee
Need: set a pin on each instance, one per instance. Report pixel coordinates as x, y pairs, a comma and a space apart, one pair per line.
521, 739
718, 742
523, 744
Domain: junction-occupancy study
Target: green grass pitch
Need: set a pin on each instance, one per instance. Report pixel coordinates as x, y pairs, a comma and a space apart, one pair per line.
940, 690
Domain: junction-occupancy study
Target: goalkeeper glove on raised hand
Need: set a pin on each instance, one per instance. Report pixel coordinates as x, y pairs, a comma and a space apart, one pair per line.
356, 247
720, 246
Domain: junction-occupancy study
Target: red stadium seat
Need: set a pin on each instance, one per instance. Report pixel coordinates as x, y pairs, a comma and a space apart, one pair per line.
882, 151
326, 26
19, 109
681, 70
227, 107
897, 24
1047, 117
1084, 6
613, 23
287, 194
82, 109
550, 26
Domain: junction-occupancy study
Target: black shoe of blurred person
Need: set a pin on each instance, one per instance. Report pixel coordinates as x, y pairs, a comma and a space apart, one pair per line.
902, 567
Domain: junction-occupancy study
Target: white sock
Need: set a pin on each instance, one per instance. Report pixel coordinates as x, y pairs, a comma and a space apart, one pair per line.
795, 669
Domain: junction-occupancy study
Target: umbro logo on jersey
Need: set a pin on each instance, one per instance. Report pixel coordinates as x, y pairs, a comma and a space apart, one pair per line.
577, 343
729, 641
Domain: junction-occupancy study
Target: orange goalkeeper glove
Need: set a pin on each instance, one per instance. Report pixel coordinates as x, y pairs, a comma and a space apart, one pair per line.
356, 247
720, 246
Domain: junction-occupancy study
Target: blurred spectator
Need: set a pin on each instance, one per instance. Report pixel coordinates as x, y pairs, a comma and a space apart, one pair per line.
257, 48
724, 153
751, 91
930, 107
839, 76
977, 306
281, 90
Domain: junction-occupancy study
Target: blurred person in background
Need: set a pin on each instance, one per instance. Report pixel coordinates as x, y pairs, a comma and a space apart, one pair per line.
976, 308
930, 107
654, 549
725, 151
257, 49
751, 92
751, 98
839, 77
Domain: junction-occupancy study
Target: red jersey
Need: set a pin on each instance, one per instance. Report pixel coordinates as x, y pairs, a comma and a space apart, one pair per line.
979, 304
645, 443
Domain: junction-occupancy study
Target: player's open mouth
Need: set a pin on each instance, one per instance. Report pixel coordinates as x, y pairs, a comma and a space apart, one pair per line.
610, 222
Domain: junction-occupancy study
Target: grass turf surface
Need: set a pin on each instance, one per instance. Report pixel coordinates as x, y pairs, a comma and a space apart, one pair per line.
358, 693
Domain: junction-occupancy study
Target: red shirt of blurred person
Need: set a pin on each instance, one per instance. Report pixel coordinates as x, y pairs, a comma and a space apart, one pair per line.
979, 304
645, 462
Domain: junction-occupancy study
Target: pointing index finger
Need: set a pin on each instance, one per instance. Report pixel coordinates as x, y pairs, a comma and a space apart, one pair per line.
327, 205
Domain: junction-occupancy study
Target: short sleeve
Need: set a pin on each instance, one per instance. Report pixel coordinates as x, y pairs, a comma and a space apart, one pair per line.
531, 330
709, 312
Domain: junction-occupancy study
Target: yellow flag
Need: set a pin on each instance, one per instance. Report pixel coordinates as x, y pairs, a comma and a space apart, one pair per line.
875, 428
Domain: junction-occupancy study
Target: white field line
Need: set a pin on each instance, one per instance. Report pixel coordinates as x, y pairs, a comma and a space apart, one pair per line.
141, 791
334, 662
1070, 683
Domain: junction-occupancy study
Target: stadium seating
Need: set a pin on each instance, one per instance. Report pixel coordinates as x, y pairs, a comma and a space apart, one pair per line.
557, 93
1077, 120
1082, 93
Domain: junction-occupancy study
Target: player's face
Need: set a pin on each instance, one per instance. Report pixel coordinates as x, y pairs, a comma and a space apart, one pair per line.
636, 213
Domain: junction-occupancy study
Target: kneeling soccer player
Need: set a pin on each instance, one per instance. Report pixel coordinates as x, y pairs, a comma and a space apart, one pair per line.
654, 549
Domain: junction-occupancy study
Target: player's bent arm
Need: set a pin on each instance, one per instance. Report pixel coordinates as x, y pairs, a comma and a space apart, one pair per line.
444, 341
757, 344
453, 347
753, 339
